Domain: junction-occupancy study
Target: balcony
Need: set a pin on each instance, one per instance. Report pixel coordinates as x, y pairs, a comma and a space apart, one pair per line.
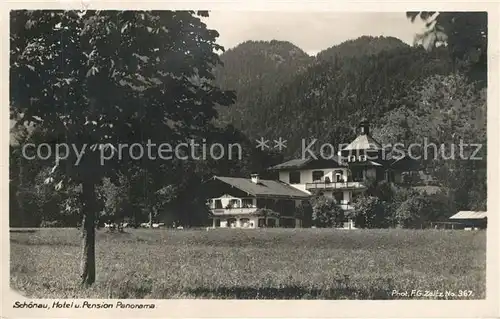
233, 211
335, 185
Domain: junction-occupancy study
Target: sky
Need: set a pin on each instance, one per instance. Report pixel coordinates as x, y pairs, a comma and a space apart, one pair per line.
310, 31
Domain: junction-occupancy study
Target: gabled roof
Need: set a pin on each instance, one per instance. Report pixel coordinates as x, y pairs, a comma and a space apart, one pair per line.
295, 163
363, 142
366, 163
263, 188
469, 215
301, 163
401, 159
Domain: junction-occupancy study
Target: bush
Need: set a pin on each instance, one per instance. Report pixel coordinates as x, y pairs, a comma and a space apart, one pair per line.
326, 213
420, 209
370, 212
51, 223
266, 212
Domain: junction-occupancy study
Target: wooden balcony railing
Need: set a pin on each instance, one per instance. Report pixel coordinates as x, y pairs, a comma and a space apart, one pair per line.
335, 185
233, 211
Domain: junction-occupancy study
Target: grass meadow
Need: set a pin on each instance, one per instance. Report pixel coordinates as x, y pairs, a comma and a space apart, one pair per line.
252, 264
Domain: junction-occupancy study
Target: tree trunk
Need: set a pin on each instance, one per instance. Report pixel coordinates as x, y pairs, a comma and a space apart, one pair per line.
20, 195
88, 235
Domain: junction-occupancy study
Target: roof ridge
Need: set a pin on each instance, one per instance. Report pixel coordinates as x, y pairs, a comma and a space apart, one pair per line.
265, 188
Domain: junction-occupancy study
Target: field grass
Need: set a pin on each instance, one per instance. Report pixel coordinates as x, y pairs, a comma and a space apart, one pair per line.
252, 264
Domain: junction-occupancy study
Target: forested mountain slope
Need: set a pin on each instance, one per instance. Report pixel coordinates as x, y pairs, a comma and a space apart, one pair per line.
303, 98
255, 70
362, 46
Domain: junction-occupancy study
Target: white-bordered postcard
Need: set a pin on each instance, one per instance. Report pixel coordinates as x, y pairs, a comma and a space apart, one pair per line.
294, 159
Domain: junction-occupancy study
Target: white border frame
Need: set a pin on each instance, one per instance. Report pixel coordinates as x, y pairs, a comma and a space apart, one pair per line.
202, 308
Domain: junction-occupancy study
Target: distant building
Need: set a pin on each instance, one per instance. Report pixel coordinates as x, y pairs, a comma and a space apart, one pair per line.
470, 219
348, 174
367, 159
253, 202
329, 177
342, 177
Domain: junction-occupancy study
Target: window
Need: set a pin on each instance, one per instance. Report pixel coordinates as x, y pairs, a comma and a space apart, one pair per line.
338, 197
357, 175
217, 222
294, 177
318, 176
218, 204
338, 176
351, 158
247, 202
362, 158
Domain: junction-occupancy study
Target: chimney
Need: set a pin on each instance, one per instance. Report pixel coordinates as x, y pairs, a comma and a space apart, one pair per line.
364, 127
255, 178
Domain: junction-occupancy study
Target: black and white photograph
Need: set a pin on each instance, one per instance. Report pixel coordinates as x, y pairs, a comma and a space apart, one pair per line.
246, 155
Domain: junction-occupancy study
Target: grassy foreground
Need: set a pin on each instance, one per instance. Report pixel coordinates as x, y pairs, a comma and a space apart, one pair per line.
253, 264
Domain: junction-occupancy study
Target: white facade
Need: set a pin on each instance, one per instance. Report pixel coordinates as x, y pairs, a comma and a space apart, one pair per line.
334, 175
235, 202
242, 222
221, 221
306, 176
235, 212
